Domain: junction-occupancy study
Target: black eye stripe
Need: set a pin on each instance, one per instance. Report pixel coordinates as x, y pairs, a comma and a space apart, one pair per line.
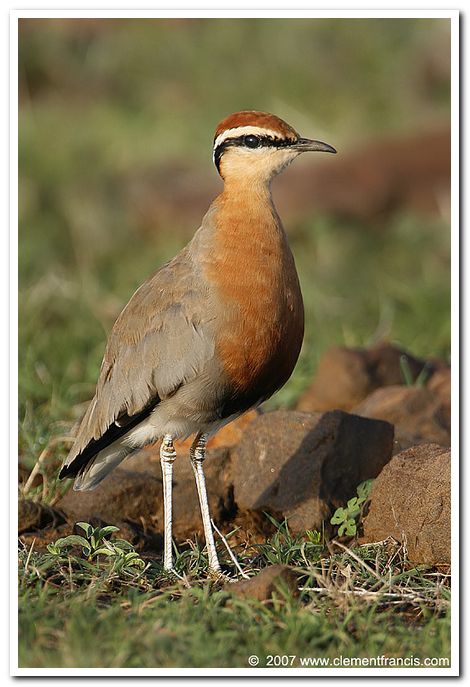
265, 141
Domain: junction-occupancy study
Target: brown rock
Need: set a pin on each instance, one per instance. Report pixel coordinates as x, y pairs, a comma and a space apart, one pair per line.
440, 385
33, 516
29, 515
225, 437
124, 494
410, 501
251, 527
270, 582
133, 492
299, 465
345, 376
419, 414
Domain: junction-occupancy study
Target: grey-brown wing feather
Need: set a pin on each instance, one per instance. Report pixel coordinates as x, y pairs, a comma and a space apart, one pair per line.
161, 340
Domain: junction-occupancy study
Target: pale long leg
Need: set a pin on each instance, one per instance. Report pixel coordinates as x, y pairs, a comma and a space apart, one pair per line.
167, 458
197, 454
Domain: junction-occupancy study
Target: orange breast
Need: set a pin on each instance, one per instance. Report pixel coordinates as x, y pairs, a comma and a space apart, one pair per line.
258, 290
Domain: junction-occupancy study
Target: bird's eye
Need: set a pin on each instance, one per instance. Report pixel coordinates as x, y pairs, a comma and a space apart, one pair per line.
252, 141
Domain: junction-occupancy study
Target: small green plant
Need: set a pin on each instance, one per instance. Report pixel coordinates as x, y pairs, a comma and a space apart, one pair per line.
346, 517
407, 374
284, 547
94, 544
314, 537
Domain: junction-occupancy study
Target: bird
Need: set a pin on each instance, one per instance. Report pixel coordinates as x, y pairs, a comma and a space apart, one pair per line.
213, 333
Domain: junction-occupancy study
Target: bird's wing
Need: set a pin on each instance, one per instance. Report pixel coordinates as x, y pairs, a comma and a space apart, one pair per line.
161, 340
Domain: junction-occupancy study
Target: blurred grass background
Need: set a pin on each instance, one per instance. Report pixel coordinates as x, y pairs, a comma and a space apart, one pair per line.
116, 116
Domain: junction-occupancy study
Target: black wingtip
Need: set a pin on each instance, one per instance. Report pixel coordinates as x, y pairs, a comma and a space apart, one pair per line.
65, 472
114, 432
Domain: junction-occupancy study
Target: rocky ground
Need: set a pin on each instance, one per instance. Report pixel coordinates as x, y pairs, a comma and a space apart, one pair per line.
357, 421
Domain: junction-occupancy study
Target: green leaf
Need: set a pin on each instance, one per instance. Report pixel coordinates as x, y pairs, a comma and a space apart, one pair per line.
406, 370
123, 544
364, 489
86, 527
424, 375
313, 536
54, 549
351, 528
339, 516
104, 531
105, 551
73, 540
352, 503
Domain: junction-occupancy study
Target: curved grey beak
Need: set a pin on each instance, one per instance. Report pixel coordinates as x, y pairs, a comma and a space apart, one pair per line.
305, 144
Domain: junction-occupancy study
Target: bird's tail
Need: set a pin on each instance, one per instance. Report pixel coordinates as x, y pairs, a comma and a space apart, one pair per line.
96, 470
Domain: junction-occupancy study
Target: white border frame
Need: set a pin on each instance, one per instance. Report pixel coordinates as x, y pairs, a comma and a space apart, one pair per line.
398, 673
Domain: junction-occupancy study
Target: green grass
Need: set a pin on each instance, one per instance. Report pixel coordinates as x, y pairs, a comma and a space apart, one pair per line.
108, 109
361, 602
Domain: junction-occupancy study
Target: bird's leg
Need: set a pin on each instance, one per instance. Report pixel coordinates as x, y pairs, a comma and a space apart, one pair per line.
167, 458
197, 454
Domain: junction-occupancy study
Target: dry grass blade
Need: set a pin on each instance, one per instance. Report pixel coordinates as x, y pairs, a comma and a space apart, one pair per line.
43, 457
26, 565
413, 598
230, 552
348, 580
360, 561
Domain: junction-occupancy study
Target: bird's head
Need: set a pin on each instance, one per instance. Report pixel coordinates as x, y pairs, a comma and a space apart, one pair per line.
258, 145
